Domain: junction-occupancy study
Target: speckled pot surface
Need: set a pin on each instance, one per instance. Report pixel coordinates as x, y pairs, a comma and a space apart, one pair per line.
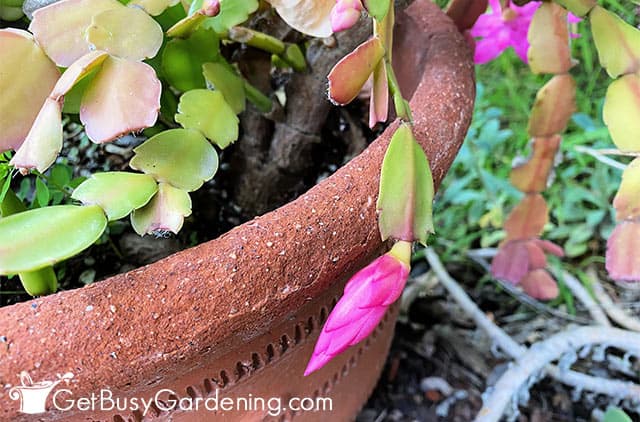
239, 316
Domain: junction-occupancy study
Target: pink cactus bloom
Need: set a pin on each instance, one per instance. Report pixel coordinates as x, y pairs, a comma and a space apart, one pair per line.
345, 14
367, 295
500, 29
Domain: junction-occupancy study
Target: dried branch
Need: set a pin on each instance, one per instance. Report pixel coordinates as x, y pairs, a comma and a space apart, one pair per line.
613, 388
544, 352
583, 296
616, 313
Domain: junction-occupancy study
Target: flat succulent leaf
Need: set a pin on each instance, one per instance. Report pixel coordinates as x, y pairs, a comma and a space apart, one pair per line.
627, 200
511, 263
614, 414
554, 105
60, 27
76, 72
621, 261
533, 175
617, 42
406, 190
221, 78
311, 17
35, 239
164, 213
154, 7
11, 10
528, 218
621, 111
186, 26
349, 75
540, 285
377, 8
117, 193
40, 282
578, 7
124, 97
232, 13
548, 36
181, 157
125, 32
379, 101
27, 76
43, 142
182, 60
208, 112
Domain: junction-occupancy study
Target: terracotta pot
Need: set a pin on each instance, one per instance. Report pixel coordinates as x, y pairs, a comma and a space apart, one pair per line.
240, 315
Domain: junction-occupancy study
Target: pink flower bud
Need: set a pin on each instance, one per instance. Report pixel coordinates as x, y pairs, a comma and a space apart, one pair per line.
345, 14
210, 8
367, 295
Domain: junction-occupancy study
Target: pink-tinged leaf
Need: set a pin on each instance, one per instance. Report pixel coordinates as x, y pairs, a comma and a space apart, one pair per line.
76, 72
627, 200
406, 190
311, 17
537, 258
621, 111
124, 97
622, 260
349, 75
532, 176
60, 27
528, 218
154, 7
540, 285
511, 263
548, 37
44, 141
125, 32
549, 247
617, 42
379, 105
555, 104
164, 213
26, 78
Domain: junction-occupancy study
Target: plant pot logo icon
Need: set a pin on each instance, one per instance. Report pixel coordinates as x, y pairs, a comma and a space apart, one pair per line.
33, 396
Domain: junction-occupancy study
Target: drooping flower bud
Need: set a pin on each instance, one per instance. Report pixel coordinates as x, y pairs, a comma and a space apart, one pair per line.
345, 14
367, 295
210, 8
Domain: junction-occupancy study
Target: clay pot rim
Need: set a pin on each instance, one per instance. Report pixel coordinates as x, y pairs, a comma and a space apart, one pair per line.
158, 318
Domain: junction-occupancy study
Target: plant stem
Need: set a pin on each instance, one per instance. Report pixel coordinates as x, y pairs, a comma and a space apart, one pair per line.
261, 101
256, 39
402, 106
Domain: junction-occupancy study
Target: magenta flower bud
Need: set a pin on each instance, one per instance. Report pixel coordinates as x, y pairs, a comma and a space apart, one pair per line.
210, 8
367, 295
345, 14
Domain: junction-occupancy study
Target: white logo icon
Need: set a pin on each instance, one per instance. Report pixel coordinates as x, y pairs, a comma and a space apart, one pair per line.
33, 396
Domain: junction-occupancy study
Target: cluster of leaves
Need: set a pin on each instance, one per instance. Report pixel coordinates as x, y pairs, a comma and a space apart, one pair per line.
121, 66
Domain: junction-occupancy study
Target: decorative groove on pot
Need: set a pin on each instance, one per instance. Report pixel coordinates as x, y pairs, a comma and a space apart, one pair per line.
188, 317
